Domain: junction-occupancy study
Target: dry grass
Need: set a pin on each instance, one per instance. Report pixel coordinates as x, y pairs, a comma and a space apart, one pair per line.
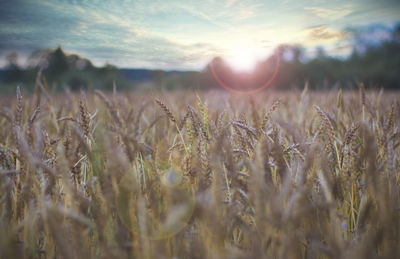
277, 175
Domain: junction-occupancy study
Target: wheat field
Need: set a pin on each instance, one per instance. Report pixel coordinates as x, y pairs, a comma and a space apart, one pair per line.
297, 174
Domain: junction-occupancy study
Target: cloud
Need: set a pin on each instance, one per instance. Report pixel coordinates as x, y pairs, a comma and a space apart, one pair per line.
322, 32
248, 11
150, 51
229, 3
131, 32
178, 33
331, 13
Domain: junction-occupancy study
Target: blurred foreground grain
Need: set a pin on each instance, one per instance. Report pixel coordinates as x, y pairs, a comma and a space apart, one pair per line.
275, 175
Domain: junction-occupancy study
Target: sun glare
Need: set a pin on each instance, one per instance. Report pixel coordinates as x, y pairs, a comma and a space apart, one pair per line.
242, 60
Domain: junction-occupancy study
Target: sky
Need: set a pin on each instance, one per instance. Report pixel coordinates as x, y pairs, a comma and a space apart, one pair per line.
185, 34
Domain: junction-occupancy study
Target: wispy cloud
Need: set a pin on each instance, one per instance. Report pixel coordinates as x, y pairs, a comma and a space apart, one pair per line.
323, 32
228, 3
331, 13
249, 11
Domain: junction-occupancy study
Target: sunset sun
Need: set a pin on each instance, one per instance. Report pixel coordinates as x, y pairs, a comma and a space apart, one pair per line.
242, 59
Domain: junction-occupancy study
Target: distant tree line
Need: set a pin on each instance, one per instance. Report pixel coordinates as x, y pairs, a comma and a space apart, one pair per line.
61, 70
376, 65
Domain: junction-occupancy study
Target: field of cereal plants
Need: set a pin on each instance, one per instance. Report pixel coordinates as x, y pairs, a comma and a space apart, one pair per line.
200, 175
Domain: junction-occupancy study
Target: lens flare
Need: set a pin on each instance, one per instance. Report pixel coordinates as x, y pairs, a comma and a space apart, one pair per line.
157, 212
252, 91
